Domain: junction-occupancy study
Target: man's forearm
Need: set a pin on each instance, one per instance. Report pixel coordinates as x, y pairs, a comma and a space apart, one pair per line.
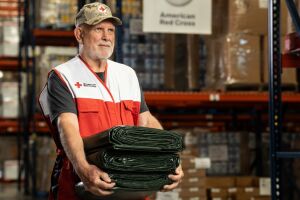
71, 140
154, 123
94, 179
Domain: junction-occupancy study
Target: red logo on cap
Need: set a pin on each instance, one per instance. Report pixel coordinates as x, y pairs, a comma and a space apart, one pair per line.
102, 9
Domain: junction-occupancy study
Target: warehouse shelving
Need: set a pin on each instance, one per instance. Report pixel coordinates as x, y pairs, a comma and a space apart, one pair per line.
204, 100
45, 37
8, 126
198, 98
276, 61
12, 64
255, 102
12, 127
193, 101
9, 64
9, 8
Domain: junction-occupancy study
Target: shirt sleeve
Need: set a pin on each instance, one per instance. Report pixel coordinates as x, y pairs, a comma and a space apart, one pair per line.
60, 99
144, 106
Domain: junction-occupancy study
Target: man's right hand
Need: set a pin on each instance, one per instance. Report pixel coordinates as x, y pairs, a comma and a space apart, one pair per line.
95, 180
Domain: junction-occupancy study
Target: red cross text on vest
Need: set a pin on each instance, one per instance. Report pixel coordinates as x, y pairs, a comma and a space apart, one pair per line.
78, 85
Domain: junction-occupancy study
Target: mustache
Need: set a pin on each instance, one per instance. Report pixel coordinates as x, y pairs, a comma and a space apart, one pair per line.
105, 44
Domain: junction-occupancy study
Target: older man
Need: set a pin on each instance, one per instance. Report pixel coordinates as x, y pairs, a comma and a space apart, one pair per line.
89, 94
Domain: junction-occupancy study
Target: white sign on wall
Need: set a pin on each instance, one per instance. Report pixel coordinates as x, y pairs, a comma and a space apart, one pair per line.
177, 16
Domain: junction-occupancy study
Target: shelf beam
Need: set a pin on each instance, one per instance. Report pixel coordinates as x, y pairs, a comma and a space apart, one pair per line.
45, 37
9, 63
288, 154
181, 99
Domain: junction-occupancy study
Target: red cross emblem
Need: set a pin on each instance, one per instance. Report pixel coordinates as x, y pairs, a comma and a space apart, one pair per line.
102, 9
78, 85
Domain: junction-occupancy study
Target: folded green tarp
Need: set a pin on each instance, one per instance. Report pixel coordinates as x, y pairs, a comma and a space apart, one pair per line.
135, 186
139, 182
136, 139
117, 195
114, 160
138, 159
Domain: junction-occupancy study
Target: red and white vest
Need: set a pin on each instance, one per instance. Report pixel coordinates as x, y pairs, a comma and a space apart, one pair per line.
102, 105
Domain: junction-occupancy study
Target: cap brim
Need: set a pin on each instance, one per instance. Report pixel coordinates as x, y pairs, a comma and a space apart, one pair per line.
116, 21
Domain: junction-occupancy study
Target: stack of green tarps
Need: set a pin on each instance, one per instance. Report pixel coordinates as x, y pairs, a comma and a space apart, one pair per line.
138, 159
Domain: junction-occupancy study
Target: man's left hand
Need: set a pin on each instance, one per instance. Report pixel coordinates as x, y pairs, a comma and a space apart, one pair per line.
176, 178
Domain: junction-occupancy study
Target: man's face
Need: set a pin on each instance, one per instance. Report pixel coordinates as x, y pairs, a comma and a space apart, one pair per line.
99, 40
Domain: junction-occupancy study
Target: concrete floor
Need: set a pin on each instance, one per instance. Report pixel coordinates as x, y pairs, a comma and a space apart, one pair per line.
9, 191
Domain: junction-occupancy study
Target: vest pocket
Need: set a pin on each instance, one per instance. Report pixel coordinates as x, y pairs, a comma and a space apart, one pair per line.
89, 122
128, 113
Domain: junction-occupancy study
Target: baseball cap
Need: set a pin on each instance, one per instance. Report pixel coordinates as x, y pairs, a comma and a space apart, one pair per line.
94, 13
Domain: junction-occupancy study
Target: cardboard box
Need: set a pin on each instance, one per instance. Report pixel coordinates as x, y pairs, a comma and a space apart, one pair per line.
265, 186
10, 103
233, 60
220, 182
8, 148
190, 152
247, 193
218, 192
188, 192
218, 152
241, 60
192, 198
247, 181
195, 162
181, 62
193, 182
171, 195
9, 37
219, 18
11, 170
261, 198
251, 16
232, 192
190, 172
45, 160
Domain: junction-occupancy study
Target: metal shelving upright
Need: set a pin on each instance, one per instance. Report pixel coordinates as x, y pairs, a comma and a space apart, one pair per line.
275, 96
27, 46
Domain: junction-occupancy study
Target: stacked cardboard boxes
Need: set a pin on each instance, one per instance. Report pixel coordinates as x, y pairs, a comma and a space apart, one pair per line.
237, 56
9, 106
227, 152
45, 160
219, 153
238, 188
8, 155
193, 183
192, 186
56, 13
9, 37
144, 52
